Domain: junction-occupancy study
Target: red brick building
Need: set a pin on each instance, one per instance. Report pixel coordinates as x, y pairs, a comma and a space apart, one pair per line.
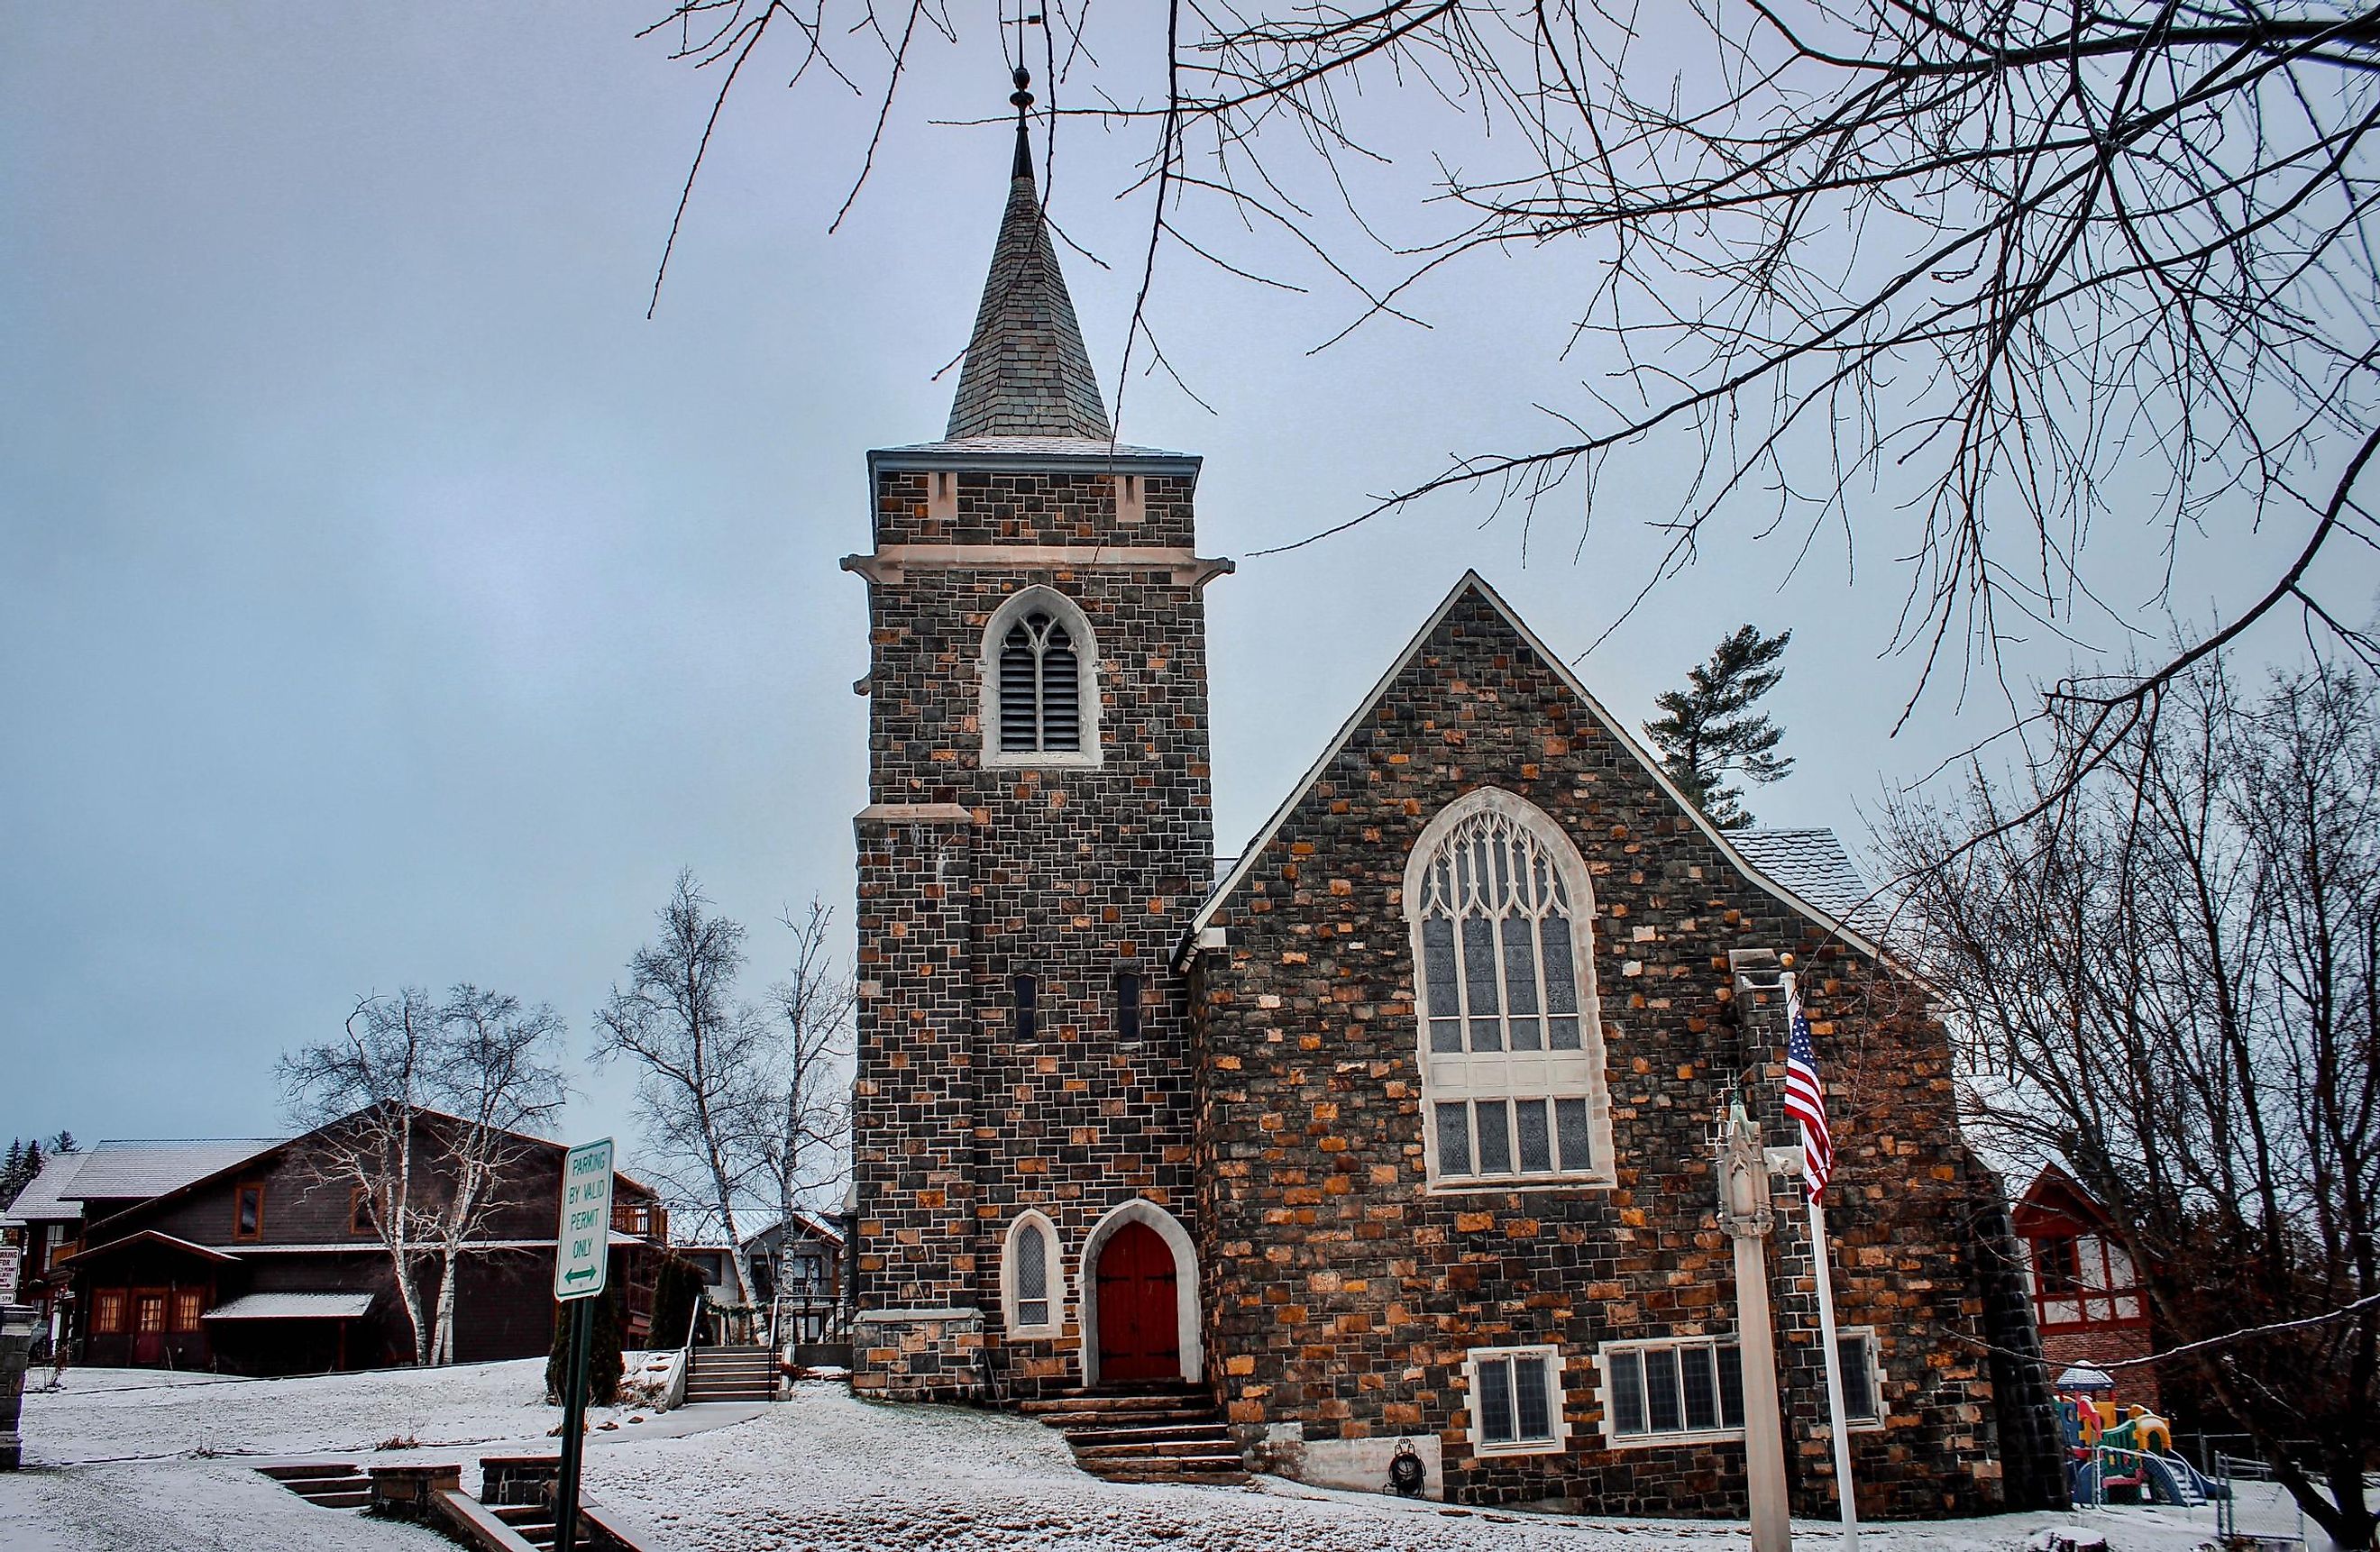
2087, 1301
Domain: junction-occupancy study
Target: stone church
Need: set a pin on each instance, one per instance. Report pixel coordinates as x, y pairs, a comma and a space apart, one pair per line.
1398, 1129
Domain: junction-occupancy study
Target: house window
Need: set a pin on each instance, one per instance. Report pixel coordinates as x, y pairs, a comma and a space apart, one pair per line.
1665, 1392
1862, 1378
108, 1312
247, 1211
1035, 1288
188, 1304
359, 1212
148, 1315
1024, 1020
1040, 688
1127, 995
1516, 1399
1512, 1051
2083, 1281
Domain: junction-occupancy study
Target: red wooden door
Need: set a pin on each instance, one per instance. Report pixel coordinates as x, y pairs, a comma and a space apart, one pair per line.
1139, 1336
148, 1327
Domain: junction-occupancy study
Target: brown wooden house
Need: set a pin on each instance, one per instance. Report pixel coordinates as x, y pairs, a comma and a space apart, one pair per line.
270, 1264
2087, 1299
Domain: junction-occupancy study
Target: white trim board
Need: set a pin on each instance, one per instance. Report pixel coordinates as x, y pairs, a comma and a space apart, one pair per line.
1472, 581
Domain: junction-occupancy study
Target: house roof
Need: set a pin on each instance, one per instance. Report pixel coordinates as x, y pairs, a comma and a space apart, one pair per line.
292, 1307
130, 1170
151, 1237
40, 1202
1026, 373
815, 1228
1471, 584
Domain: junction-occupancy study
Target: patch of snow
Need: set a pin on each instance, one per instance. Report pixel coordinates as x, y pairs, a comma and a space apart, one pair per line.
125, 1459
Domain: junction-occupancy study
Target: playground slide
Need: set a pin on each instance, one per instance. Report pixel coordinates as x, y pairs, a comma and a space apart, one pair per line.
2170, 1480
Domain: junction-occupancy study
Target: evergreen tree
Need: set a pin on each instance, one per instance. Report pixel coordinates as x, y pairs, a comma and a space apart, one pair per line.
603, 1354
1708, 730
62, 1143
12, 1174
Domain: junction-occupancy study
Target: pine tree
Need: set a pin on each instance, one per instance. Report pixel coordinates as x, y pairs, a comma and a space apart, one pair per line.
1709, 730
12, 1174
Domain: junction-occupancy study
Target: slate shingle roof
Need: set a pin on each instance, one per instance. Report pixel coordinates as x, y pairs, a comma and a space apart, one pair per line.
39, 1202
114, 1171
1813, 863
1026, 373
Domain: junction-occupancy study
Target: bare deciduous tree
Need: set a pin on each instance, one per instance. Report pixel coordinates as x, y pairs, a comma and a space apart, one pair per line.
803, 1146
701, 1057
420, 1112
360, 1097
2169, 983
2021, 292
499, 1085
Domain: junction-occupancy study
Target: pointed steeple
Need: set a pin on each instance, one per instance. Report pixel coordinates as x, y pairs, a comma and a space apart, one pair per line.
1026, 373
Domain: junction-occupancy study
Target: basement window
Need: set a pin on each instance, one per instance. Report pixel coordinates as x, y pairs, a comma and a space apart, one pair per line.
1516, 1399
1684, 1390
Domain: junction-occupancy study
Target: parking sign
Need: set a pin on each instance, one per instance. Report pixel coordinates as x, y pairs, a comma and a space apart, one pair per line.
582, 1259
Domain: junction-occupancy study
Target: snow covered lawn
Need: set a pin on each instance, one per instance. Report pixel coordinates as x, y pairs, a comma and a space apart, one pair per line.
126, 1459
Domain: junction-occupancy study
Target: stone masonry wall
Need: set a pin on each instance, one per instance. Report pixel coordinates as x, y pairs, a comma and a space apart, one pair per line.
1072, 876
1341, 1295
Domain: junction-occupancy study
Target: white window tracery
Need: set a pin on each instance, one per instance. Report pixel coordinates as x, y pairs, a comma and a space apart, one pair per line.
1033, 1281
1511, 1048
1039, 683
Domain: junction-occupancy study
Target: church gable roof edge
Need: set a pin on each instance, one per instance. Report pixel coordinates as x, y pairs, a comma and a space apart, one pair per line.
1473, 582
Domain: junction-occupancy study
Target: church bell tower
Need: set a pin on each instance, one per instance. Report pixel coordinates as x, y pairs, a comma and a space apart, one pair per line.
1038, 833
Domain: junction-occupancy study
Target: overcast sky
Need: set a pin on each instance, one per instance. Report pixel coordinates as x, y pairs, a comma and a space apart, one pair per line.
384, 599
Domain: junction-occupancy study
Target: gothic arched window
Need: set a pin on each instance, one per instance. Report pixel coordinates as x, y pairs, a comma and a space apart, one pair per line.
1032, 1282
1510, 1041
1040, 689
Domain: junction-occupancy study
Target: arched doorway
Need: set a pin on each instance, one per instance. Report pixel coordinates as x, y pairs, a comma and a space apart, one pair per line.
1139, 1308
1138, 1282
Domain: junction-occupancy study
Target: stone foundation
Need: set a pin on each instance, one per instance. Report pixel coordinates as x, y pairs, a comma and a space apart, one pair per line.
918, 1355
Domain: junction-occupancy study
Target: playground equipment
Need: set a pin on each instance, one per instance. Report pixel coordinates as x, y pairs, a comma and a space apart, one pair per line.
2124, 1454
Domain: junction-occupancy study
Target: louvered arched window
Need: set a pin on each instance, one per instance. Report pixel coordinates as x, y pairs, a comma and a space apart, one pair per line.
1510, 1045
1041, 694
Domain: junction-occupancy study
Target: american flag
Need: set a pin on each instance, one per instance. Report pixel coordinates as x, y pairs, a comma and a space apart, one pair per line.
1805, 1101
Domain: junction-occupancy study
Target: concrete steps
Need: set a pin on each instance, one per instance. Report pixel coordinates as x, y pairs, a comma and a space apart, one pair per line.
533, 1522
331, 1484
1168, 1435
731, 1374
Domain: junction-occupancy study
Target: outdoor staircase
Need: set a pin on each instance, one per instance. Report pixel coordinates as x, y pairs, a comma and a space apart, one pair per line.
1173, 1434
335, 1484
534, 1523
731, 1374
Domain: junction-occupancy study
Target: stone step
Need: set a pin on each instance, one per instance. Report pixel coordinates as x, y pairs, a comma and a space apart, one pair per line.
1145, 1449
298, 1474
1071, 1423
1209, 1431
352, 1498
1098, 1400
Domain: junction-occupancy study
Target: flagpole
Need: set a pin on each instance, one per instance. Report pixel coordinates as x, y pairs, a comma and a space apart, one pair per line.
1818, 1259
1844, 1494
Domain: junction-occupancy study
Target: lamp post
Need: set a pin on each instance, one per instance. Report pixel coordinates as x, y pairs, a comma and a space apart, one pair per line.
1743, 1213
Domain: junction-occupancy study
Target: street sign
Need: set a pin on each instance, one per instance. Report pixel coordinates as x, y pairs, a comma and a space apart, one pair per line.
582, 1247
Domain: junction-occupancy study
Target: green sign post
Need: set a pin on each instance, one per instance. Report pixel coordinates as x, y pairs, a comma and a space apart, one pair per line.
582, 1263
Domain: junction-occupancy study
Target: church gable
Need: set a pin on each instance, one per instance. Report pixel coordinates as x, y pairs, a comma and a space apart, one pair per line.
1419, 1184
1475, 638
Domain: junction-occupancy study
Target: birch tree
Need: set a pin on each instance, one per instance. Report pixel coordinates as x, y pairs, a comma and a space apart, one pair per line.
359, 1097
804, 1147
700, 1056
497, 1082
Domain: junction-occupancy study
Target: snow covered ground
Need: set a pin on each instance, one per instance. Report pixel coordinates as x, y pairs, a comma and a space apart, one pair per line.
122, 1459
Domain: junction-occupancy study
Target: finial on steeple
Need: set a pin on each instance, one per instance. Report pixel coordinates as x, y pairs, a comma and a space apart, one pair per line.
1022, 98
1026, 373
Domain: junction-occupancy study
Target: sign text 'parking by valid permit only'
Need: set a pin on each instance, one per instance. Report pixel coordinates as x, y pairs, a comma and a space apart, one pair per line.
582, 1244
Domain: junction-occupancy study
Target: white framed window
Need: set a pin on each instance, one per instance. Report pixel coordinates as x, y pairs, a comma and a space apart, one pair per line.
1678, 1390
1040, 690
1862, 1371
1511, 1037
1032, 1277
1516, 1399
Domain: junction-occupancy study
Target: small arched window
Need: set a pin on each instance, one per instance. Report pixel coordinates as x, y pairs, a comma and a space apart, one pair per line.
1032, 1282
1510, 1045
1040, 690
